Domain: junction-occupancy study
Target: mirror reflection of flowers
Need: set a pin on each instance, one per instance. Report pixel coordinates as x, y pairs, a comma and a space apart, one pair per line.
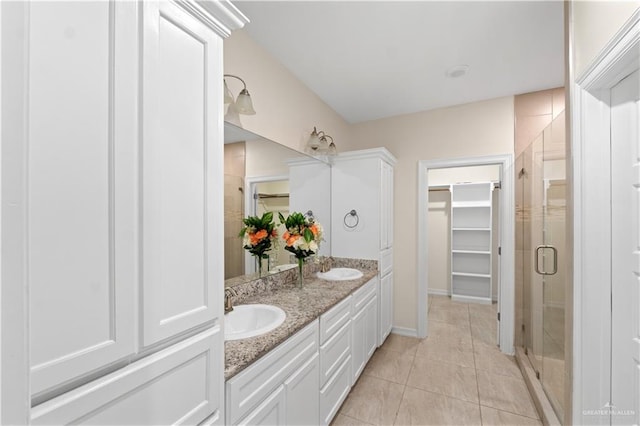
303, 237
259, 235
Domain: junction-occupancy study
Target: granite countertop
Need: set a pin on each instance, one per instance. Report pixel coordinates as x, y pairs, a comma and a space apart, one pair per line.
302, 306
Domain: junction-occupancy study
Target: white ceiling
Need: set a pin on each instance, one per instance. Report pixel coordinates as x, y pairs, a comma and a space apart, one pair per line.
375, 59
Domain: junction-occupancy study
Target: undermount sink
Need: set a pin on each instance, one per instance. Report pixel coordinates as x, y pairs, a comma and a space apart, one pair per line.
340, 274
251, 320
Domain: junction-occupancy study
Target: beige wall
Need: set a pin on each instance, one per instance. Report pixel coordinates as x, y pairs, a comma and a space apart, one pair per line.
286, 110
439, 244
594, 24
477, 129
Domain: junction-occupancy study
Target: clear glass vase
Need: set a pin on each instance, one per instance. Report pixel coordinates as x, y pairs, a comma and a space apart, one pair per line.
300, 274
259, 265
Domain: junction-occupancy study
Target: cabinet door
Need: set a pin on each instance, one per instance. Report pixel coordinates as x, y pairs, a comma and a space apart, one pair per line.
371, 328
81, 187
390, 205
333, 394
302, 402
178, 385
359, 336
271, 412
181, 172
386, 205
386, 307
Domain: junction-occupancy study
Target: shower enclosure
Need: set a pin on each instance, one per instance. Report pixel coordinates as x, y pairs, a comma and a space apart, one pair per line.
541, 257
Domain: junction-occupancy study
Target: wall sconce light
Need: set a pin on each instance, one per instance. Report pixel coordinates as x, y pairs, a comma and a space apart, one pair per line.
241, 105
318, 143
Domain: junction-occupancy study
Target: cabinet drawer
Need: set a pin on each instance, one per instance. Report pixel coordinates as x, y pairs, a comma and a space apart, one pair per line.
333, 320
180, 383
386, 261
363, 295
270, 412
334, 392
246, 390
334, 352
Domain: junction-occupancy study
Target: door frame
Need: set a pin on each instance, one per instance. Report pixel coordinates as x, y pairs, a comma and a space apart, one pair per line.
506, 288
591, 161
15, 385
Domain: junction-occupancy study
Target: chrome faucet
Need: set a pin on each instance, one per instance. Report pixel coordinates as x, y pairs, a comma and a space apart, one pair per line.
228, 293
325, 264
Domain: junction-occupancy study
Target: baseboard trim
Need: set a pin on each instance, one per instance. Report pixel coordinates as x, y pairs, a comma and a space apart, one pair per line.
403, 331
439, 292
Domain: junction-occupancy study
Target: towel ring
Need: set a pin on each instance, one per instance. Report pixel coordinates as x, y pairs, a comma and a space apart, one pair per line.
352, 213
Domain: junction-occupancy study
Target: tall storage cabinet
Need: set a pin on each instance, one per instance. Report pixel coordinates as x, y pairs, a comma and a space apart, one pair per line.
471, 219
362, 183
122, 201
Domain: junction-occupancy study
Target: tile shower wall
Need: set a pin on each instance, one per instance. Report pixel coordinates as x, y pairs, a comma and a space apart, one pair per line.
234, 171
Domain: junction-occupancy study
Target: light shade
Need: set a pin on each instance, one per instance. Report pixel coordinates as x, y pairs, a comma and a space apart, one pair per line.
228, 97
324, 145
244, 104
314, 141
332, 150
318, 144
232, 115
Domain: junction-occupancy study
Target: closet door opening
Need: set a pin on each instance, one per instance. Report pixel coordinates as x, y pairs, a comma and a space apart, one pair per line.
463, 258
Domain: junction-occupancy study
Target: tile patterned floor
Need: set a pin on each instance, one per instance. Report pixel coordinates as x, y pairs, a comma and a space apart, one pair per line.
456, 376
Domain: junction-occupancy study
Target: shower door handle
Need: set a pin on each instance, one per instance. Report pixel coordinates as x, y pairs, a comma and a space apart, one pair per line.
555, 260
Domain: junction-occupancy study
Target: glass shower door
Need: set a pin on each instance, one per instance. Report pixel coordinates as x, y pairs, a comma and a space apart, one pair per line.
541, 222
552, 261
535, 182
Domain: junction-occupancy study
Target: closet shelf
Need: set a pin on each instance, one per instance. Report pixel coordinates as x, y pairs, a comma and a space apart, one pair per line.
470, 251
471, 237
469, 274
467, 204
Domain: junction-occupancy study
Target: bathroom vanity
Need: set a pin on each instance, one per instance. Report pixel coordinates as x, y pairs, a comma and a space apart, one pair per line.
301, 372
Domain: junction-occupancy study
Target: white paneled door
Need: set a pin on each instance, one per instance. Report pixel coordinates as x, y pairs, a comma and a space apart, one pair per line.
81, 181
180, 166
625, 256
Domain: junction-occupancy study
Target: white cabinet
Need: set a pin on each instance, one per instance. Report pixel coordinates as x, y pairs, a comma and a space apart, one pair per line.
181, 166
291, 368
333, 394
335, 359
301, 387
270, 412
471, 220
122, 197
81, 188
362, 181
386, 205
306, 379
178, 384
386, 307
364, 330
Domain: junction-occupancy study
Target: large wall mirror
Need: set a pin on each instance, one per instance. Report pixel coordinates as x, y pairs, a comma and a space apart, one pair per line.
262, 175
